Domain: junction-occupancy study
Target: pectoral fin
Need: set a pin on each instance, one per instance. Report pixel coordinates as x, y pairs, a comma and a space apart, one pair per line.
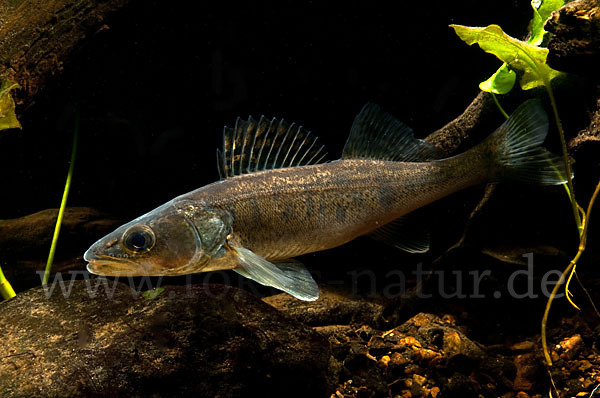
290, 277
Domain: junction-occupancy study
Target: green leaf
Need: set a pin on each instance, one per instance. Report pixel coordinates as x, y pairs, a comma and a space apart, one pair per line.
152, 294
542, 9
529, 59
529, 81
500, 82
8, 119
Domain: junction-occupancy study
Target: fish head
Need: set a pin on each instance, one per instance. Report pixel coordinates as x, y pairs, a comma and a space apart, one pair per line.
177, 238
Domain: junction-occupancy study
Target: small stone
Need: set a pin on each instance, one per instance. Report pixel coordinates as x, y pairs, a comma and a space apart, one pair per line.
527, 369
434, 392
412, 369
428, 356
398, 359
456, 343
417, 390
422, 319
522, 394
523, 346
383, 361
420, 380
571, 346
584, 365
587, 383
408, 341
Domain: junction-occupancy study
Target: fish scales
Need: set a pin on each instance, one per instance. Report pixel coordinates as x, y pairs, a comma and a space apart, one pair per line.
283, 213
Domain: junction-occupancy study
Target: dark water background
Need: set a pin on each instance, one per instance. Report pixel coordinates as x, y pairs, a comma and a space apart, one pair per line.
156, 88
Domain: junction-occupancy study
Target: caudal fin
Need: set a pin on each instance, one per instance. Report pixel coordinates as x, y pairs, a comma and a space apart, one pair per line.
517, 152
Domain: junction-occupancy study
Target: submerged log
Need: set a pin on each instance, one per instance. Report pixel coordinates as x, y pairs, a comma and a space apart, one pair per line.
30, 236
25, 242
575, 42
458, 132
37, 37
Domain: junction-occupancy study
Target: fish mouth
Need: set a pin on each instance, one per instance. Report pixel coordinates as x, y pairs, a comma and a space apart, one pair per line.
118, 267
112, 266
104, 265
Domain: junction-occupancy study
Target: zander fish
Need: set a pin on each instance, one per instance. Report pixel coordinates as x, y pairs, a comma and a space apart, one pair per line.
277, 199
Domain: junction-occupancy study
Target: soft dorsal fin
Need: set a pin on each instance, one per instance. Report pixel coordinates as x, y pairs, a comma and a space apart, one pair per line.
267, 144
376, 134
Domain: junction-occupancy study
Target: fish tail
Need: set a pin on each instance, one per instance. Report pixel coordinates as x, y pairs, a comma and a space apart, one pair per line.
516, 152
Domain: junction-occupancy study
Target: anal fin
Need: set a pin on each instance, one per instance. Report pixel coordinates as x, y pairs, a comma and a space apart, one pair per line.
409, 233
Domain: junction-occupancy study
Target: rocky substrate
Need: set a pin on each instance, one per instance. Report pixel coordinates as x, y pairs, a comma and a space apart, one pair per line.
460, 353
99, 337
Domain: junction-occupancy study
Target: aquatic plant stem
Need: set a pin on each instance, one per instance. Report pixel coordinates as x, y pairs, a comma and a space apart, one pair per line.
63, 203
498, 105
6, 290
568, 271
559, 283
566, 161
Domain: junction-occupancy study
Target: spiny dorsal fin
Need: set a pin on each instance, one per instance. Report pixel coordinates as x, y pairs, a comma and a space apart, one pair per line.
254, 146
376, 134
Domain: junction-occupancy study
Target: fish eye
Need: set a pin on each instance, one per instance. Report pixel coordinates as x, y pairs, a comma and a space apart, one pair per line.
138, 238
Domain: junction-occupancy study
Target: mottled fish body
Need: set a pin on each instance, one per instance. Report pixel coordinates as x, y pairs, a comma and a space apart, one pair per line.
284, 213
277, 201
